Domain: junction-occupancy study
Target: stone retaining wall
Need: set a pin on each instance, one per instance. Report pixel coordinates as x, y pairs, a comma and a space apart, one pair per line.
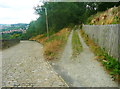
8, 43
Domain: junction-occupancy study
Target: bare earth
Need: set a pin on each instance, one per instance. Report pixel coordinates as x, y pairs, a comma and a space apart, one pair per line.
23, 65
83, 71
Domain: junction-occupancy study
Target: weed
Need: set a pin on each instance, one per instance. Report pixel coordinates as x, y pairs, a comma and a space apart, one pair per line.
116, 20
110, 16
76, 45
53, 44
51, 49
110, 63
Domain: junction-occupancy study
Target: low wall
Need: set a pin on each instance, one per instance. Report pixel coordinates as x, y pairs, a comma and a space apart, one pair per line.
8, 43
106, 36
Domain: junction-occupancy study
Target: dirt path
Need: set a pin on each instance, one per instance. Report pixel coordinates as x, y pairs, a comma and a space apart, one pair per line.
23, 65
82, 71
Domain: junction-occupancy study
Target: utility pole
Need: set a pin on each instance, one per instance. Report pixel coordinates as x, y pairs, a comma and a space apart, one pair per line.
47, 22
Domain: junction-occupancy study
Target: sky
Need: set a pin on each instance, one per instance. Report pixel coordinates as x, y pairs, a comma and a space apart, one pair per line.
17, 11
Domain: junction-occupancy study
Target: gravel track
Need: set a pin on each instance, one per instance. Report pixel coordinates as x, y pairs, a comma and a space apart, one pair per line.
23, 65
82, 71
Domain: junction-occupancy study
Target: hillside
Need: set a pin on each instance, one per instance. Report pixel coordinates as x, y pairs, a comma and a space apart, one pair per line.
54, 43
110, 16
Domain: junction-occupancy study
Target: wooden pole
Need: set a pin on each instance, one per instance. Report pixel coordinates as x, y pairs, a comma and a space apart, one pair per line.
47, 23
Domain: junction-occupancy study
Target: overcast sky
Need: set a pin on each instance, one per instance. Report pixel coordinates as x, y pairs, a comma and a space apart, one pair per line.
17, 11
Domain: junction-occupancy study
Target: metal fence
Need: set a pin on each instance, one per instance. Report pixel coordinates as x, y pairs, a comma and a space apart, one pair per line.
106, 36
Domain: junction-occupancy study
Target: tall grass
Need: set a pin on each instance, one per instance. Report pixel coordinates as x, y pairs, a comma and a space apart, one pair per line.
53, 44
110, 16
76, 44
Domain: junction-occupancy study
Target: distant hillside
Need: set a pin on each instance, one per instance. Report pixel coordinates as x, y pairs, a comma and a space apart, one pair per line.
110, 16
8, 27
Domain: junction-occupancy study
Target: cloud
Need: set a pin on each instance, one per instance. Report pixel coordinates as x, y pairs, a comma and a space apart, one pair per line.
17, 11
4, 6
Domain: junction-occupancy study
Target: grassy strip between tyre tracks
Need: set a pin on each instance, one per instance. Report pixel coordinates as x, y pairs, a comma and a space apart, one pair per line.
110, 63
54, 44
76, 44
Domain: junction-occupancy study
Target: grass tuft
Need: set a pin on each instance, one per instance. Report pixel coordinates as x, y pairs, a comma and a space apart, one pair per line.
76, 45
52, 48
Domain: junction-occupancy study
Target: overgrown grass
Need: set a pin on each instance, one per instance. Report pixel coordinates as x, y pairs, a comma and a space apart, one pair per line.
53, 44
110, 63
93, 16
76, 44
116, 20
110, 16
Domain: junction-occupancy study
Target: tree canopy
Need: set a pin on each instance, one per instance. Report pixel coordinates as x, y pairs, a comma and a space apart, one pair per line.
62, 14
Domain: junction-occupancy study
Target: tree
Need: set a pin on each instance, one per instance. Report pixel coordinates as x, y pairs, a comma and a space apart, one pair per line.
62, 14
102, 6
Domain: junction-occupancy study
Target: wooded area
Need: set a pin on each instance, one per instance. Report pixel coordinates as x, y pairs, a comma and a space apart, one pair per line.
64, 14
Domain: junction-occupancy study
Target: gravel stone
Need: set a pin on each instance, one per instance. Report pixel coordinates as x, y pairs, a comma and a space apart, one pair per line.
23, 65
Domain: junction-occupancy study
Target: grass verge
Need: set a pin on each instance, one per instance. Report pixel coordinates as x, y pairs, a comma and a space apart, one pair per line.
53, 44
76, 44
111, 64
